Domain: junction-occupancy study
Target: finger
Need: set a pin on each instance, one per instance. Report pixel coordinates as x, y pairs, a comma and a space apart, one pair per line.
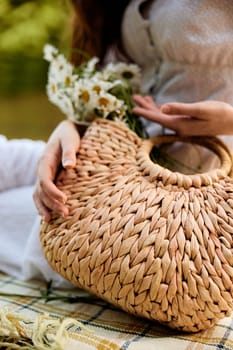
149, 99
181, 124
69, 142
157, 117
42, 210
144, 102
50, 189
53, 205
151, 102
69, 151
191, 109
46, 173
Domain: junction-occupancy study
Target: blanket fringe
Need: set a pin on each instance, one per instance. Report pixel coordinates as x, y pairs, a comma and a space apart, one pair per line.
42, 333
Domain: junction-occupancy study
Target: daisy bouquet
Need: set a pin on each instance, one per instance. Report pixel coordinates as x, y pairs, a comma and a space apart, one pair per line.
84, 93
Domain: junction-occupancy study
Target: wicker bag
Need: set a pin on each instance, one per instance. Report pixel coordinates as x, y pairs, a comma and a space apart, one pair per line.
151, 241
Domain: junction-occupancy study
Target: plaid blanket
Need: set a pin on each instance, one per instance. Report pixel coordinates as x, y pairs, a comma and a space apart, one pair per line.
107, 328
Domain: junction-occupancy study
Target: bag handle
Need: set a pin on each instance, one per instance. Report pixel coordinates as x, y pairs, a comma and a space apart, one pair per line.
156, 171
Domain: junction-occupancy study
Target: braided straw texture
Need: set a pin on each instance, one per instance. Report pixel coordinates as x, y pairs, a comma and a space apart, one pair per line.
153, 242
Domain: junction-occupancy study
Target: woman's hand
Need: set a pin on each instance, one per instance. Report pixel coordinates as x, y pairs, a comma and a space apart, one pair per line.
61, 149
200, 118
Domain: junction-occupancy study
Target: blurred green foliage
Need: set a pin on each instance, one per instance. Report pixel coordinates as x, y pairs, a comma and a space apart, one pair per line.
25, 27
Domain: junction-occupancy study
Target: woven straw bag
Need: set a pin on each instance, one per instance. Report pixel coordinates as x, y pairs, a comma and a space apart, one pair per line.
153, 242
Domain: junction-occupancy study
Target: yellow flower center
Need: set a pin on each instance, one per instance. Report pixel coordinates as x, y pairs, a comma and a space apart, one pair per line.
67, 81
85, 96
97, 89
103, 101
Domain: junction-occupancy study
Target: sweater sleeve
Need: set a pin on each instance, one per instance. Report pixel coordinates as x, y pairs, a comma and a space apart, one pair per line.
18, 162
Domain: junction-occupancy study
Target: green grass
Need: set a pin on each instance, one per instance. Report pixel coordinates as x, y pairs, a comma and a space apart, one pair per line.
28, 115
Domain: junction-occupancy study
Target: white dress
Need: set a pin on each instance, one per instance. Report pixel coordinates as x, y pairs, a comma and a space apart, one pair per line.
20, 250
185, 49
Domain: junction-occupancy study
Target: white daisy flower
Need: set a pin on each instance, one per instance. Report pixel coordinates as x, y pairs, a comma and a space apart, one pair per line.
128, 73
107, 103
50, 52
62, 71
90, 67
93, 93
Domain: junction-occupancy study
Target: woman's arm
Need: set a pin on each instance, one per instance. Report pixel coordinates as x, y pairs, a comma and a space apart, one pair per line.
200, 118
61, 149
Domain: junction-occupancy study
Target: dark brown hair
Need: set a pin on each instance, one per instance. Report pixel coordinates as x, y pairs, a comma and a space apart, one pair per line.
96, 27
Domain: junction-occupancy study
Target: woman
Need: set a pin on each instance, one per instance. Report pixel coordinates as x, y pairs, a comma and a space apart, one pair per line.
183, 60
185, 51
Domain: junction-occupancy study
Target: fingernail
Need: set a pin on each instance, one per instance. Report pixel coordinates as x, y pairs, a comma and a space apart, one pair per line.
67, 163
165, 109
